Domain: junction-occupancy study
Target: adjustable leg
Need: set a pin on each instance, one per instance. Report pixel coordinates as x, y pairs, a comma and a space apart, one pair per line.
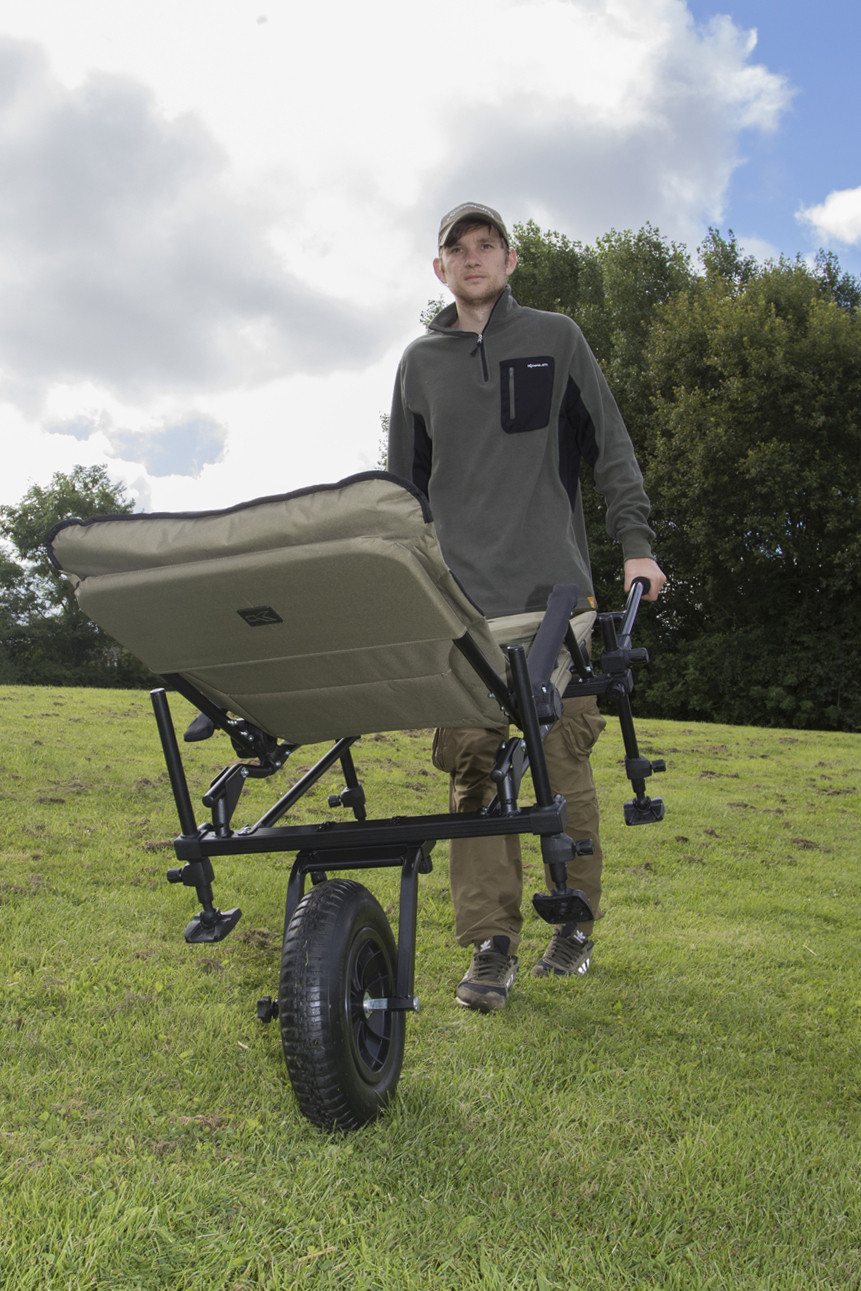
616, 661
173, 762
563, 904
210, 924
641, 810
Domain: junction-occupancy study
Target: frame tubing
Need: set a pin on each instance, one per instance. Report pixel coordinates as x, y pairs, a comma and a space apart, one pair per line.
364, 839
495, 685
313, 862
530, 726
173, 762
407, 922
301, 787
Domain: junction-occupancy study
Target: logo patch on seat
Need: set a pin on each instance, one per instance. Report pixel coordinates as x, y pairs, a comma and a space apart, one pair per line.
260, 615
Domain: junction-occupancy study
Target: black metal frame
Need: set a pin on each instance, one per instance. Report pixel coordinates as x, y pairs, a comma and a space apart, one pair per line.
532, 704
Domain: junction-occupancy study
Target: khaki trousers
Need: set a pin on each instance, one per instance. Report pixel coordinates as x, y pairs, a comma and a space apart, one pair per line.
486, 874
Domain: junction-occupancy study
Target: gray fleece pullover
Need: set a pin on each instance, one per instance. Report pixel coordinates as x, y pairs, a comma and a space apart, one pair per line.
493, 429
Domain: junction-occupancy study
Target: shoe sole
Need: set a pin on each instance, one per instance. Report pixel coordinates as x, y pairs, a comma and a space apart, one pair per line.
489, 1000
483, 1005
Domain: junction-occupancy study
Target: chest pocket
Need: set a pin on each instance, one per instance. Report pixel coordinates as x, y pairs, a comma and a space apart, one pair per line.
526, 390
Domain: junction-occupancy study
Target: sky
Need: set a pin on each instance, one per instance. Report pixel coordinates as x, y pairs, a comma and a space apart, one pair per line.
218, 217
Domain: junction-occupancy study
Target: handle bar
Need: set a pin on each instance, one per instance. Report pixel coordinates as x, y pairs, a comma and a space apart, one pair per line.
639, 588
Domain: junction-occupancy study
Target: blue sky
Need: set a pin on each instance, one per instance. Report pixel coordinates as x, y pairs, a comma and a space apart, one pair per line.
815, 150
217, 217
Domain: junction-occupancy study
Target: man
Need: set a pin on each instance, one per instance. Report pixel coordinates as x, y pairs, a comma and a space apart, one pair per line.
493, 411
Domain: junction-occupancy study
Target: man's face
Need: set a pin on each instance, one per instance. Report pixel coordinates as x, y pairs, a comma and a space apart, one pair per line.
476, 267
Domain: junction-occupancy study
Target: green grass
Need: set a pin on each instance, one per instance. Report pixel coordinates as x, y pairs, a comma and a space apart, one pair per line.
685, 1117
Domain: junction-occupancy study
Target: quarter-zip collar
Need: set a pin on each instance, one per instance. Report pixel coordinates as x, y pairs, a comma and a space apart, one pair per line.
445, 323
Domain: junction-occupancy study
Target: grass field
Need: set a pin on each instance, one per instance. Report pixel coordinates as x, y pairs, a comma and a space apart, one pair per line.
687, 1116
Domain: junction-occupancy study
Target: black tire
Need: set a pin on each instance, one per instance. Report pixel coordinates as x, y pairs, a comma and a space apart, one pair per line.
343, 1062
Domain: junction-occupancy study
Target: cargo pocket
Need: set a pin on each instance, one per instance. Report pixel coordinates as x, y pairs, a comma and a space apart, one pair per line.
442, 750
580, 726
526, 393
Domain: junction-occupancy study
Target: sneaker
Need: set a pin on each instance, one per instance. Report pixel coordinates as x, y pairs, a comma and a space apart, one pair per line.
489, 976
569, 951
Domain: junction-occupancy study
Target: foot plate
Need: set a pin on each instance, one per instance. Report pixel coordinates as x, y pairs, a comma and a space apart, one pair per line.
569, 905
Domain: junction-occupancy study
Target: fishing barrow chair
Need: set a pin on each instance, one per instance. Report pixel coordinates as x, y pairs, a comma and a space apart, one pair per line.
327, 614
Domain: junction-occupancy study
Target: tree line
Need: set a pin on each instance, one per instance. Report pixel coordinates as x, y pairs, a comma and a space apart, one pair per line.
740, 383
45, 640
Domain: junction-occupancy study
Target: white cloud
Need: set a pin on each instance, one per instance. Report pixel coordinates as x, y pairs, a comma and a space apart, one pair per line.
128, 260
212, 222
759, 248
837, 219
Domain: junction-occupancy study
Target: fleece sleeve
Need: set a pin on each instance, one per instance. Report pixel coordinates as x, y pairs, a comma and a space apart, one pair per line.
616, 472
409, 450
399, 459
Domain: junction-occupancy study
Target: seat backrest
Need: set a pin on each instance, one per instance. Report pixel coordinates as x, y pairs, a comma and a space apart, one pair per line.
325, 612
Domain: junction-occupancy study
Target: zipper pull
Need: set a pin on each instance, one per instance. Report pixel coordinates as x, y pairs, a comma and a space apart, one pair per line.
479, 349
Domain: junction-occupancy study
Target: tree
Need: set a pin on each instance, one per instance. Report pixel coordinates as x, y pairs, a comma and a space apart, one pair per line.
13, 605
755, 377
44, 637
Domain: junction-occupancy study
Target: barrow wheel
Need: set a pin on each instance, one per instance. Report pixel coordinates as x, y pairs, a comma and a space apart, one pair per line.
343, 1059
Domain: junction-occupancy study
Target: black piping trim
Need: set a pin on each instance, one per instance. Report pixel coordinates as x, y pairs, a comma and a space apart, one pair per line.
241, 506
